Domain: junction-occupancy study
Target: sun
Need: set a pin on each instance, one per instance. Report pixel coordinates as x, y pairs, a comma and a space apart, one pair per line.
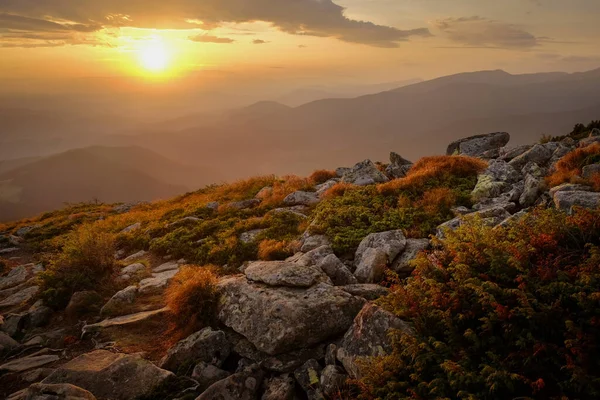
154, 58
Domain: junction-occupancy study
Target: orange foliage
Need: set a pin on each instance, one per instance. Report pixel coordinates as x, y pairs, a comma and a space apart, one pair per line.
436, 201
437, 168
568, 168
192, 297
338, 190
270, 250
321, 176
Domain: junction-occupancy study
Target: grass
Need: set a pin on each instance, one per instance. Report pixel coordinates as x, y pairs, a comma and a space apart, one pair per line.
569, 168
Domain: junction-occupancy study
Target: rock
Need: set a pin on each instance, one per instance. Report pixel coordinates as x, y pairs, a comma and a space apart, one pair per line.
133, 269
136, 256
83, 303
401, 264
168, 266
324, 187
13, 324
313, 257
64, 391
590, 170
532, 191
301, 198
299, 211
341, 171
279, 388
368, 291
36, 375
213, 205
375, 252
513, 218
264, 192
534, 169
566, 200
331, 354
7, 343
308, 377
243, 385
119, 299
364, 173
336, 270
29, 362
398, 167
333, 380
492, 216
250, 236
244, 204
15, 277
569, 187
588, 141
206, 345
123, 320
368, 337
20, 297
284, 273
207, 374
487, 187
312, 242
477, 145
132, 228
279, 320
110, 375
502, 171
157, 282
187, 221
38, 315
538, 154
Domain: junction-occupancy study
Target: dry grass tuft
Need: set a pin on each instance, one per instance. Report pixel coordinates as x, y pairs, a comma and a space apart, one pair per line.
271, 250
338, 190
321, 176
568, 168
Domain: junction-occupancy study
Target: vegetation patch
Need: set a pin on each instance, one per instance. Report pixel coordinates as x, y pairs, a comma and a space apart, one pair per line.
569, 168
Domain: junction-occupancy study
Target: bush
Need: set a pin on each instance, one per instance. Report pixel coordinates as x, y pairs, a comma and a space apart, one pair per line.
271, 250
499, 313
321, 176
192, 297
86, 262
569, 168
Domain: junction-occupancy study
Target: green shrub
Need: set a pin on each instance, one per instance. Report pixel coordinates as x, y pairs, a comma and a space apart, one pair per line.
86, 262
499, 313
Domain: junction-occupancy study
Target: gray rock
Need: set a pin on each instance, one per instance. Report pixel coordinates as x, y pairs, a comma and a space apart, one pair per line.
401, 264
7, 343
279, 388
189, 221
308, 377
135, 256
207, 374
477, 145
168, 266
83, 302
284, 273
324, 187
394, 171
110, 375
133, 269
569, 187
502, 171
279, 320
336, 270
250, 236
368, 291
534, 169
20, 297
368, 337
491, 216
533, 188
341, 171
487, 187
15, 277
313, 257
27, 363
312, 242
38, 315
119, 300
213, 205
206, 345
39, 391
244, 204
590, 170
375, 252
13, 324
244, 385
538, 154
132, 228
157, 282
301, 198
331, 354
333, 379
125, 320
364, 173
566, 200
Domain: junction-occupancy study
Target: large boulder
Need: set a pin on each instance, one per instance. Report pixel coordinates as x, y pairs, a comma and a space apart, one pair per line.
538, 154
402, 263
243, 385
368, 291
336, 270
399, 166
479, 144
158, 281
368, 337
284, 273
109, 375
7, 343
206, 345
566, 200
590, 170
532, 190
301, 198
22, 296
121, 299
364, 173
15, 277
83, 303
206, 374
279, 320
375, 252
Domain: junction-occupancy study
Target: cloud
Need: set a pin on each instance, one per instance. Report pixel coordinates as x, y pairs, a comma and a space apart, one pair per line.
321, 18
203, 38
259, 41
482, 32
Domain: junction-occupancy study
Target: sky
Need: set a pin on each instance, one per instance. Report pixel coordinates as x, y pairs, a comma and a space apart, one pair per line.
299, 42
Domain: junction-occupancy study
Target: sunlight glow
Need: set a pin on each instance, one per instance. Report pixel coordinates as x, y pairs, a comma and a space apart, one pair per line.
154, 57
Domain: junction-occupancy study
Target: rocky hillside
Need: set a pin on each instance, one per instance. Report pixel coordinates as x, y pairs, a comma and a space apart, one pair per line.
468, 275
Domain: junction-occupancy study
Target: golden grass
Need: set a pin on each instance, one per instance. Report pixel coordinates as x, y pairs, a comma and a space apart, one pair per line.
321, 176
569, 168
337, 190
271, 249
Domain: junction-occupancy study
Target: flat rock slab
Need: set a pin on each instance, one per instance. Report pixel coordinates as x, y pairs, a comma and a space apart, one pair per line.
283, 273
27, 363
110, 375
158, 281
168, 266
19, 297
279, 320
123, 320
15, 277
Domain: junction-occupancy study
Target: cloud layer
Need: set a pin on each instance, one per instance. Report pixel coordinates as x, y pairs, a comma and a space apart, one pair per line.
322, 18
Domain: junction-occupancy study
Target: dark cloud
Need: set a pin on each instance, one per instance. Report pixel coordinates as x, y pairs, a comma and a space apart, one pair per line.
482, 32
211, 39
259, 41
322, 18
